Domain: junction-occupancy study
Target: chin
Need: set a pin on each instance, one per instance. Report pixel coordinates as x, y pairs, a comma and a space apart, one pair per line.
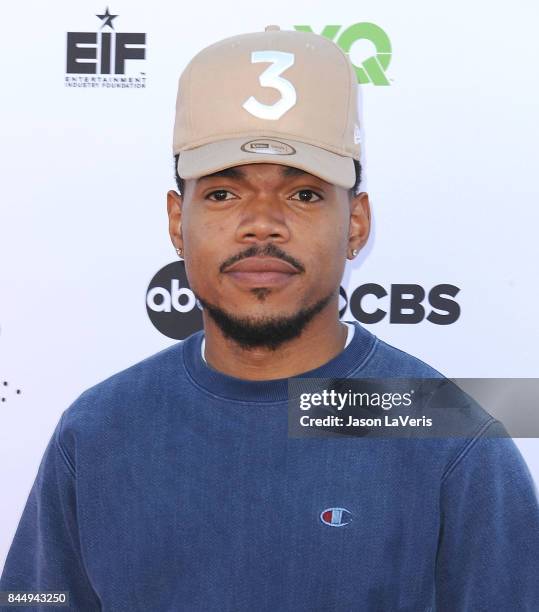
263, 325
263, 306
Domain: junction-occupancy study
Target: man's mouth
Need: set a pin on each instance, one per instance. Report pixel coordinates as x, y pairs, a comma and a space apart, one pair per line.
262, 272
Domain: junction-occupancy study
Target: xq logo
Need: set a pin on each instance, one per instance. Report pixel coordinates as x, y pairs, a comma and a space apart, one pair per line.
373, 69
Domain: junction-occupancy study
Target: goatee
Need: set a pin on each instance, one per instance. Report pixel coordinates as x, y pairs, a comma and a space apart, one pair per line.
265, 332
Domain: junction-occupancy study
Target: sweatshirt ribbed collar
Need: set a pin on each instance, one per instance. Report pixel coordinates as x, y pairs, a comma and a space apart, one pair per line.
348, 361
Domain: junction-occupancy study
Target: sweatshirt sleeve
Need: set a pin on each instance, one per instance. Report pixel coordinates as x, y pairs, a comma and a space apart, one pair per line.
488, 549
45, 554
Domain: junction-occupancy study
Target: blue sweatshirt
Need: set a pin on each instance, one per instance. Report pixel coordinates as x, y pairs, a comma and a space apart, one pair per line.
171, 486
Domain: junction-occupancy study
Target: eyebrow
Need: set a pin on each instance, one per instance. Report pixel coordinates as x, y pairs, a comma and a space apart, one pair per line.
238, 174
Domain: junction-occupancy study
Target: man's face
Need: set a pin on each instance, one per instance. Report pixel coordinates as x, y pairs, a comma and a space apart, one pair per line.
265, 242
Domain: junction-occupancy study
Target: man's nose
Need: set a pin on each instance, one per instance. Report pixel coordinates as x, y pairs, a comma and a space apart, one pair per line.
263, 218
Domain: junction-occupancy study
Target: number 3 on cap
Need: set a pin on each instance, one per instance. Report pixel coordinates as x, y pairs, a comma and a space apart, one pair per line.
280, 61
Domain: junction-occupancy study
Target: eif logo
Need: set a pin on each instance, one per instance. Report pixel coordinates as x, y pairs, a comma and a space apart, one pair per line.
107, 54
171, 304
373, 69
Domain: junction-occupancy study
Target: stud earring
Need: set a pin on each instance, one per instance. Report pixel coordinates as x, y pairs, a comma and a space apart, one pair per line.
354, 252
179, 251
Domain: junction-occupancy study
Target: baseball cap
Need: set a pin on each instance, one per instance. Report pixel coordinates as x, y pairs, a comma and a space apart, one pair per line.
277, 96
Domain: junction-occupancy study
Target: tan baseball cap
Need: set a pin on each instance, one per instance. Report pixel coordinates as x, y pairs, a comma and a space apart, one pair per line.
278, 96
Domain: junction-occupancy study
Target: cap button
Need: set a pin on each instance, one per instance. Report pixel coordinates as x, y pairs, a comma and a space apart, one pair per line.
271, 27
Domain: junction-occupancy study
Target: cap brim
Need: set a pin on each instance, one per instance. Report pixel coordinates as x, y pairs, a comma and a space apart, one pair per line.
206, 159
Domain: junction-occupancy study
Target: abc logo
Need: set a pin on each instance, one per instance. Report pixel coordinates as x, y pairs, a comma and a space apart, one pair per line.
170, 303
343, 302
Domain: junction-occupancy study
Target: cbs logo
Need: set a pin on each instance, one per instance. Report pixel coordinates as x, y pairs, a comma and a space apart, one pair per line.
405, 303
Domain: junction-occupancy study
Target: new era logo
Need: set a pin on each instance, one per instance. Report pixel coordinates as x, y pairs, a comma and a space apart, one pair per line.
275, 147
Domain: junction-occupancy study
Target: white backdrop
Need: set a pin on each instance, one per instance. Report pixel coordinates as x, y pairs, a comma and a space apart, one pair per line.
450, 157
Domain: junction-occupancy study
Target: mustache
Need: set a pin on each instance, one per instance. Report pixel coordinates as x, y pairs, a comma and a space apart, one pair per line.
269, 250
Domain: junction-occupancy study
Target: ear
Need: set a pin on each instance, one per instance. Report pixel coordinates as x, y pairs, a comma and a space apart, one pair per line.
174, 209
360, 222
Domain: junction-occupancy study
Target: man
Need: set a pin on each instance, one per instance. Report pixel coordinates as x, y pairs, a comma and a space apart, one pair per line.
174, 486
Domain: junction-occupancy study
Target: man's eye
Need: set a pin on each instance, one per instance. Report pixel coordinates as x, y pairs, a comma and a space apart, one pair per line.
220, 195
306, 195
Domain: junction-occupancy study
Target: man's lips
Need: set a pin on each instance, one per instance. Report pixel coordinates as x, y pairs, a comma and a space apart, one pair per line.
262, 271
262, 264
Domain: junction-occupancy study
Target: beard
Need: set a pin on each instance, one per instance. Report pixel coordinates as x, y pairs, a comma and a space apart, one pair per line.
263, 332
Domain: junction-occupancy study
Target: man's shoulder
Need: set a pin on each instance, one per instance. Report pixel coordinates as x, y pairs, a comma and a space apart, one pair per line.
155, 368
455, 413
386, 360
458, 419
139, 384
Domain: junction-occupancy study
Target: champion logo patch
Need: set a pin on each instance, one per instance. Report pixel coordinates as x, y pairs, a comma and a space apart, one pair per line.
336, 517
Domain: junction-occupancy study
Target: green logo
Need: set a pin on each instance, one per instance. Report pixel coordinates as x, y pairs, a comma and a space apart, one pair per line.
372, 70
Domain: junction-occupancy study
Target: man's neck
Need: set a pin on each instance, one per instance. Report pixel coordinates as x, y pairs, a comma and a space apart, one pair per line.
319, 342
